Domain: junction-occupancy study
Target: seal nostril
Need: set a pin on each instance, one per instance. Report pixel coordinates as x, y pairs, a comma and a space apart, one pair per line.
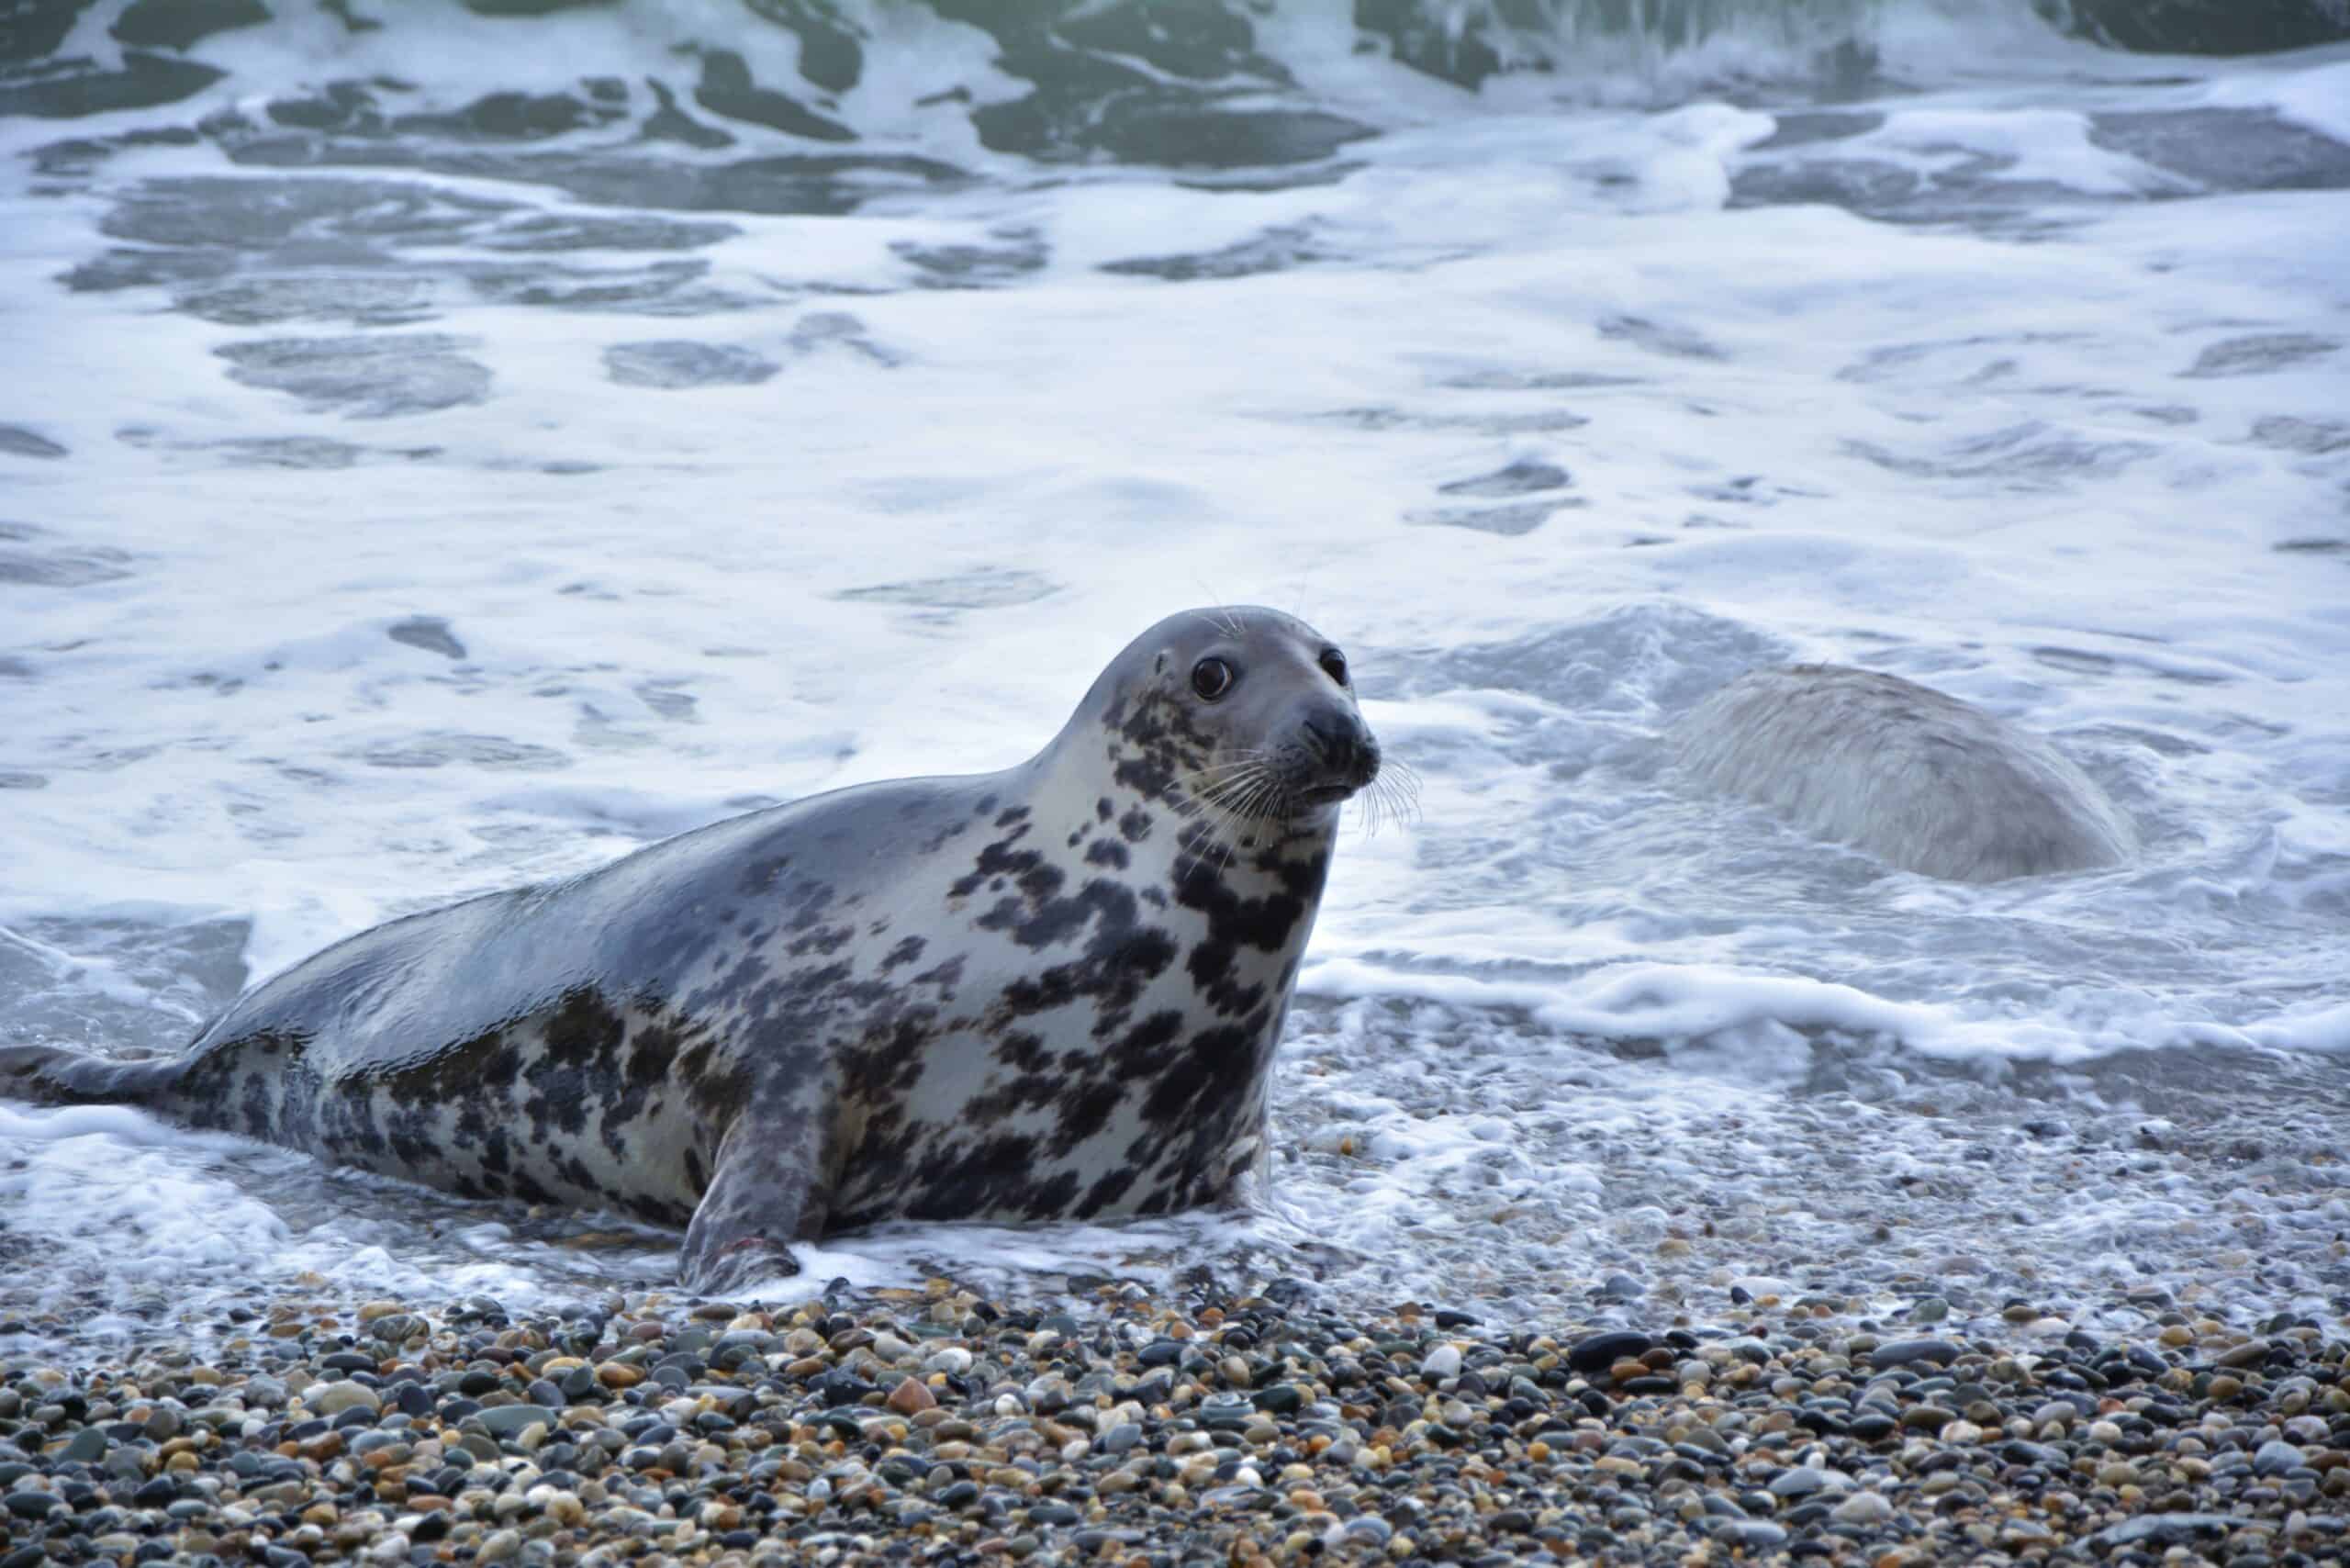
1330, 737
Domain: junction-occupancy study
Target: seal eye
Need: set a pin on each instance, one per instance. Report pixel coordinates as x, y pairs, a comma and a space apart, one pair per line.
1334, 665
1212, 678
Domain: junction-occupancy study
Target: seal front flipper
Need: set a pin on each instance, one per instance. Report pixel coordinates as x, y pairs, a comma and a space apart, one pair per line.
773, 1187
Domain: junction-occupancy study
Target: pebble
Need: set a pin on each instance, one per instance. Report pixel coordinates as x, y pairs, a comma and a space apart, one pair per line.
1597, 1351
513, 1420
334, 1398
1862, 1508
1800, 1481
1237, 1431
1754, 1535
2274, 1458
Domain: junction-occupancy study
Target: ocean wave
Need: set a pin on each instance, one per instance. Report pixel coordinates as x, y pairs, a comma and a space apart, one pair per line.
1212, 82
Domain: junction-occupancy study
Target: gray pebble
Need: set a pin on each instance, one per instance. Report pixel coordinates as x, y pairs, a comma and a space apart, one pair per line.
1863, 1508
1804, 1480
2276, 1458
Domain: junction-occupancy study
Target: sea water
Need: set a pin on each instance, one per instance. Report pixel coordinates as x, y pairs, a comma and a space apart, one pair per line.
457, 451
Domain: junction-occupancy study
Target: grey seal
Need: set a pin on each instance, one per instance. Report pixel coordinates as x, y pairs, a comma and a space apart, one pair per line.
1049, 993
1906, 773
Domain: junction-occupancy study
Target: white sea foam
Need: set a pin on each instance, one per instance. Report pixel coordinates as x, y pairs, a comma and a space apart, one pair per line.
2086, 482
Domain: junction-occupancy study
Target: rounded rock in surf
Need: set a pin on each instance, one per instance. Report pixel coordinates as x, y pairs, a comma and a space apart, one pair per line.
1918, 779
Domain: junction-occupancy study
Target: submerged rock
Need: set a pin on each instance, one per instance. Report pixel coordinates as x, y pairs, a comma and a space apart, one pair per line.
1924, 781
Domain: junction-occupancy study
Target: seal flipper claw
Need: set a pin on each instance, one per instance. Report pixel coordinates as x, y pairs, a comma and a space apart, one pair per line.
727, 1272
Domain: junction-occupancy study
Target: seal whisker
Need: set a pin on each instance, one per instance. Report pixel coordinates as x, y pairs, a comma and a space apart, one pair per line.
1220, 823
1241, 763
1393, 798
1216, 794
1221, 771
1240, 810
1216, 810
1244, 809
1232, 840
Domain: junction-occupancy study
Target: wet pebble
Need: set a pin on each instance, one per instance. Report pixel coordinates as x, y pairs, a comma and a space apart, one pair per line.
1215, 1431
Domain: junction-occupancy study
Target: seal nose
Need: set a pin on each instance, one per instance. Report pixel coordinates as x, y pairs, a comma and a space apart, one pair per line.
1342, 744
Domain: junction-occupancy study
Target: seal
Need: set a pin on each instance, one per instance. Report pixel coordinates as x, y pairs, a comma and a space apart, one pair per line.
1906, 773
1049, 993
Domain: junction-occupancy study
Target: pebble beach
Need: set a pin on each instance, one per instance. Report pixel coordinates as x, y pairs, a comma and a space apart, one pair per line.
473, 439
934, 1425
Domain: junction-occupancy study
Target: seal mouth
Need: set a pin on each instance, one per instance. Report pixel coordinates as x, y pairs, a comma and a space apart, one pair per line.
1321, 795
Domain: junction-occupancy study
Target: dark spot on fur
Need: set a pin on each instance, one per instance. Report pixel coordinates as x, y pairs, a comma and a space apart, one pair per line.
1084, 1109
946, 977
486, 1065
997, 862
584, 1030
1038, 920
1051, 1198
1105, 1191
991, 1174
1210, 1058
824, 941
1103, 852
1024, 1051
760, 876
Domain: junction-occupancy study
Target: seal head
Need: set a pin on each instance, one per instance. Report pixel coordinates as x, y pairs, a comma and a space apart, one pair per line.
1246, 718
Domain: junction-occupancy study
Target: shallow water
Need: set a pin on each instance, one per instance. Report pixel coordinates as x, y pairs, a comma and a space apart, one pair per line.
417, 490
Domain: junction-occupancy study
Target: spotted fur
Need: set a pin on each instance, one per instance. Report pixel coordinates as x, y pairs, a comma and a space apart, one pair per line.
1051, 993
